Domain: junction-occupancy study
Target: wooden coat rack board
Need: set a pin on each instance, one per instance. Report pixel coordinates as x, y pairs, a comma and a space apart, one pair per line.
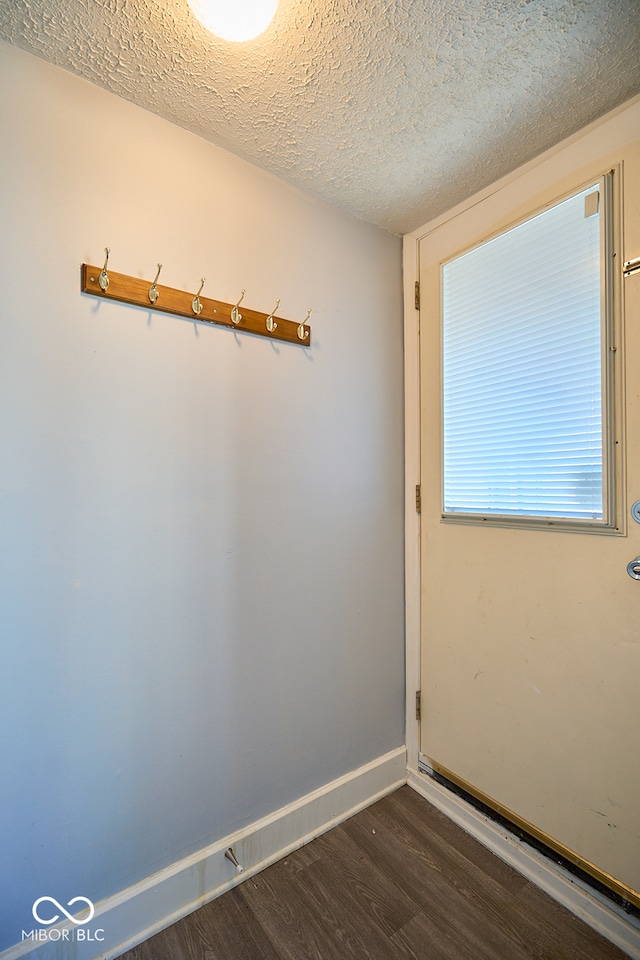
107, 285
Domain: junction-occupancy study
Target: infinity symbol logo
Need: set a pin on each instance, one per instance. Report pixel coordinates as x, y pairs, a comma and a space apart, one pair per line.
58, 906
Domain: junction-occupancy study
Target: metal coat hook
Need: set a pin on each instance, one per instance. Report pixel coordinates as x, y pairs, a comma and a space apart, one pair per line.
236, 316
103, 279
302, 333
271, 324
154, 293
196, 304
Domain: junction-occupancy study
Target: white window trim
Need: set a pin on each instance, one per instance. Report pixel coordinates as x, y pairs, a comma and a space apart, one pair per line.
613, 521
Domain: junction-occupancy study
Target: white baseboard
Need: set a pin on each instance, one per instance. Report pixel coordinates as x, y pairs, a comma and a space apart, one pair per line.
140, 911
597, 911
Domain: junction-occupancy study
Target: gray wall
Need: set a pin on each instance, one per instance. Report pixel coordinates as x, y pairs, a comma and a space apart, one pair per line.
202, 562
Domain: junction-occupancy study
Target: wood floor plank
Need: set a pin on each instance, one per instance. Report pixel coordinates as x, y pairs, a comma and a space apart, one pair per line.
398, 881
454, 925
446, 886
493, 892
364, 887
451, 847
424, 938
299, 925
221, 929
540, 919
226, 927
164, 946
578, 941
410, 807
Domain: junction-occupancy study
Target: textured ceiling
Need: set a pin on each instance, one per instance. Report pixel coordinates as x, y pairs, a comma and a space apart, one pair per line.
395, 110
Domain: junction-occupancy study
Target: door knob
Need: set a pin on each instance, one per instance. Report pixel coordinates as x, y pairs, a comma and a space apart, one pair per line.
633, 568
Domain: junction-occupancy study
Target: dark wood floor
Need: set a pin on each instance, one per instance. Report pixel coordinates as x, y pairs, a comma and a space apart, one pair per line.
398, 880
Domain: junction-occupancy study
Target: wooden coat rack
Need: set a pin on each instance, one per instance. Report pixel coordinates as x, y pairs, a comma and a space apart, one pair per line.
153, 296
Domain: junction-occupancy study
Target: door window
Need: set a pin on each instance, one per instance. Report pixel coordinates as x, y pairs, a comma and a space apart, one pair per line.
526, 382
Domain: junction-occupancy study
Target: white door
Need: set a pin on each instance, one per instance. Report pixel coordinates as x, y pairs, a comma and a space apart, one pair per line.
530, 652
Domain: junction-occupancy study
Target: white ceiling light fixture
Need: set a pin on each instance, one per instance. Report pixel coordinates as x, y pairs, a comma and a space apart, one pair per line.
235, 20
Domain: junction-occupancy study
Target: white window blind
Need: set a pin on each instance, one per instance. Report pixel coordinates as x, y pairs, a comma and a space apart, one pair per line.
523, 369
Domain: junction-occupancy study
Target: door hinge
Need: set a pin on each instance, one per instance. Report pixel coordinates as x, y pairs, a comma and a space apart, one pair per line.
418, 704
418, 498
417, 292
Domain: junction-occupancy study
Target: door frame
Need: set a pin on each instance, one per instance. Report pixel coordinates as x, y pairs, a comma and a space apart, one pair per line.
413, 619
